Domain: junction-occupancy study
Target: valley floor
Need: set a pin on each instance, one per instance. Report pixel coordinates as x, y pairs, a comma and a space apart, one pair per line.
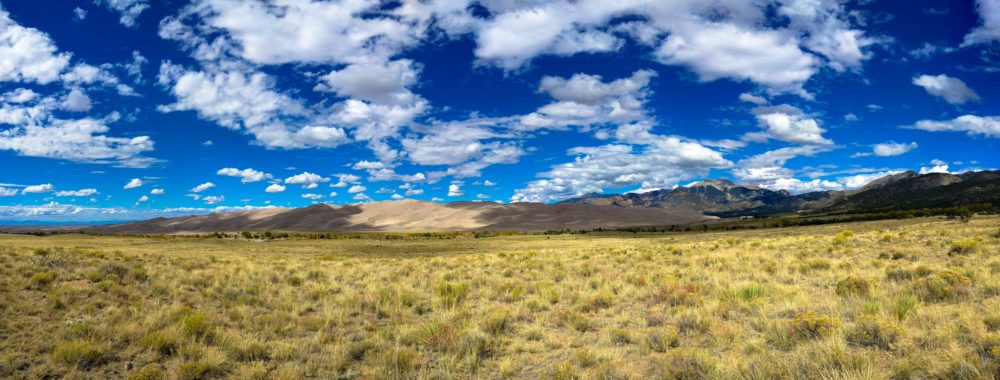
915, 298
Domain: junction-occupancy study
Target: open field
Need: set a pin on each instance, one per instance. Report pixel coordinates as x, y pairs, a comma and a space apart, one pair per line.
917, 298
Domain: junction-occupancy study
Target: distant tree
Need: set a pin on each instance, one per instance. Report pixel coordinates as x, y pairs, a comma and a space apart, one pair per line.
247, 234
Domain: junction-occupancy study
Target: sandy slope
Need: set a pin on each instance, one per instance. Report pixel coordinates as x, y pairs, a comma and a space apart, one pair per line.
414, 215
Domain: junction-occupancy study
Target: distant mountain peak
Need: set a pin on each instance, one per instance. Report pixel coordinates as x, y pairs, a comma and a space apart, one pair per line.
722, 184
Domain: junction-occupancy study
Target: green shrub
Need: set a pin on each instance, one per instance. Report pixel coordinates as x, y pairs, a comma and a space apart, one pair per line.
685, 363
95, 277
965, 247
601, 300
294, 281
897, 273
41, 279
873, 331
200, 369
81, 353
197, 324
113, 268
751, 292
811, 325
905, 304
842, 237
855, 286
989, 348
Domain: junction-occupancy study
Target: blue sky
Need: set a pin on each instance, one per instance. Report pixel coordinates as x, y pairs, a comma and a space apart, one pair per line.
128, 109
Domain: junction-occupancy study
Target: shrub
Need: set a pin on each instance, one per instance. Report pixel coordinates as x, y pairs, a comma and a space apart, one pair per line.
601, 300
197, 324
41, 279
692, 320
943, 285
964, 247
905, 304
200, 369
989, 348
842, 237
897, 273
811, 325
81, 353
855, 286
113, 268
294, 281
620, 336
151, 371
662, 339
685, 363
872, 331
398, 361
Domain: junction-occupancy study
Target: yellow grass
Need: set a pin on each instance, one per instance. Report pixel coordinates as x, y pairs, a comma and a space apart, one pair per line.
905, 299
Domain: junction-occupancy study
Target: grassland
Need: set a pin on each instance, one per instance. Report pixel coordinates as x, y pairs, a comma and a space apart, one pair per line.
918, 298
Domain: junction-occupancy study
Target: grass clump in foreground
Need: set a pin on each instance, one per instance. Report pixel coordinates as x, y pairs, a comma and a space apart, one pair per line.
915, 298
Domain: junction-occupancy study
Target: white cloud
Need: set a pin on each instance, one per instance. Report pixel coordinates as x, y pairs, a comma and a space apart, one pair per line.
312, 196
411, 192
274, 188
77, 193
892, 148
29, 55
306, 179
751, 98
789, 124
489, 183
157, 192
79, 14
585, 100
44, 188
397, 197
356, 189
143, 198
333, 194
76, 101
856, 181
437, 199
134, 183
129, 10
851, 117
953, 90
247, 175
7, 192
483, 196
988, 126
939, 167
989, 30
362, 197
378, 83
383, 191
211, 199
455, 191
203, 187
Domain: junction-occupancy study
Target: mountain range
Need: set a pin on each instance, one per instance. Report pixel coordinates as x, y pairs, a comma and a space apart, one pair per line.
902, 191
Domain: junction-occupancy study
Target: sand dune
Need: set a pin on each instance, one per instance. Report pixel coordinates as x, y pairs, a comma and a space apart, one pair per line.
414, 215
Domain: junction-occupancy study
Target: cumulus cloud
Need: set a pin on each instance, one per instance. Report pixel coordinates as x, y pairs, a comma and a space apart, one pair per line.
306, 179
274, 188
788, 124
143, 198
938, 166
988, 126
246, 175
411, 192
211, 199
29, 54
134, 183
751, 98
157, 192
586, 100
455, 191
989, 30
356, 189
362, 197
396, 197
128, 10
44, 188
8, 192
76, 101
56, 212
953, 90
203, 187
312, 196
892, 148
76, 193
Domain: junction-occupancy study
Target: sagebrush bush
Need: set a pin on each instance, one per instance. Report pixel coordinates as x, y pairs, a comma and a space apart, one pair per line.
874, 331
811, 325
965, 247
41, 279
662, 339
944, 285
498, 322
855, 286
151, 371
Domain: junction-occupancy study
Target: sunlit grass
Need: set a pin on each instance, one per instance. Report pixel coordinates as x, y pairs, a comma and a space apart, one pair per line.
896, 299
